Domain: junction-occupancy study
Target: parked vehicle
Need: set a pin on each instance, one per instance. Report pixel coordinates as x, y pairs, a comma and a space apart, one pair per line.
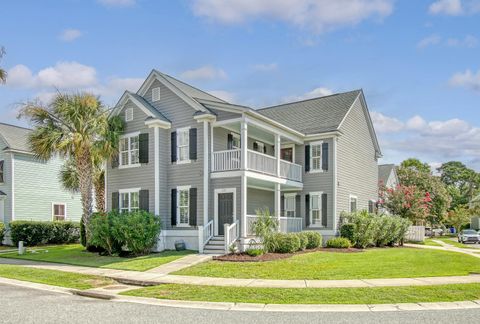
468, 236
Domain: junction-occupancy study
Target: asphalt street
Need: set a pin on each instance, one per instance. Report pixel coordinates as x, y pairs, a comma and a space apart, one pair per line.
22, 305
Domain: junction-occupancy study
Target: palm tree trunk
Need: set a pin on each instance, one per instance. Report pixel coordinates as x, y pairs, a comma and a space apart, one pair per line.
85, 173
100, 191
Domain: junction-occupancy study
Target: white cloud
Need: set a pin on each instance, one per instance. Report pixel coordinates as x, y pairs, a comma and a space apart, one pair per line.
204, 73
265, 67
429, 41
118, 3
467, 79
20, 76
468, 41
224, 95
316, 15
317, 92
416, 123
446, 7
385, 124
69, 35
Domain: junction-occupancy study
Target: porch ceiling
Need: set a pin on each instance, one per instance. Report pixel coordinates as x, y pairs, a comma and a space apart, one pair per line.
256, 132
268, 185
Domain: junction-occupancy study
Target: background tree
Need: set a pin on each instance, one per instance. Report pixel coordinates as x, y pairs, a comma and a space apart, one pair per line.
3, 73
78, 128
463, 183
416, 165
408, 202
458, 217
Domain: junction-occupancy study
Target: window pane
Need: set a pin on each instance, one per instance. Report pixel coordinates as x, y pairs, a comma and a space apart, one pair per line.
183, 201
183, 153
315, 202
124, 144
316, 217
124, 201
316, 150
134, 143
134, 200
183, 215
134, 159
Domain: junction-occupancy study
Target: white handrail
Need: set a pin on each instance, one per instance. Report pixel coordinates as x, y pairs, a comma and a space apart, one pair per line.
287, 224
231, 233
290, 170
262, 162
207, 232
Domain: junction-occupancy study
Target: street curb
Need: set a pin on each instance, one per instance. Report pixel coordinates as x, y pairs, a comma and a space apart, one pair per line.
250, 307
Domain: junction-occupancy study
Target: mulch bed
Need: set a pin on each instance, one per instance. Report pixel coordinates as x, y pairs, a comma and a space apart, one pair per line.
243, 257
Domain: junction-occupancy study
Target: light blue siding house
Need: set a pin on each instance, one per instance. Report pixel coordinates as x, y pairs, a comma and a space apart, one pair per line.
30, 189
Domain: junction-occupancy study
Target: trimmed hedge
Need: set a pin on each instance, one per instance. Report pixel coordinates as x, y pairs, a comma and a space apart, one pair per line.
347, 231
314, 239
286, 242
37, 233
303, 237
339, 243
2, 232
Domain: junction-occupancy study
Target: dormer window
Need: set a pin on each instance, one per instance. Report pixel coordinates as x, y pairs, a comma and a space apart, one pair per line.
129, 114
156, 94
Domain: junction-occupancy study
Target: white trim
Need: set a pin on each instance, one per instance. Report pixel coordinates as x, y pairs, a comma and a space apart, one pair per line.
224, 122
255, 175
261, 188
290, 195
215, 205
132, 134
128, 114
157, 123
105, 183
156, 94
187, 130
182, 188
129, 164
12, 168
322, 136
156, 166
123, 101
129, 191
64, 209
271, 129
206, 172
350, 202
335, 183
311, 157
320, 208
285, 146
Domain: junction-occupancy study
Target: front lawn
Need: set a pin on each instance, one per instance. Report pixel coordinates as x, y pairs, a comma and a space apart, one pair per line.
375, 295
52, 277
454, 241
75, 254
371, 263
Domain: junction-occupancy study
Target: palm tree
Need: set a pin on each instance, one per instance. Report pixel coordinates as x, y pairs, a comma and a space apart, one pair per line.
3, 73
78, 128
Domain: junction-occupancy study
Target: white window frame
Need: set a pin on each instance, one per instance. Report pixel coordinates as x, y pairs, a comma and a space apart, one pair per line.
287, 146
128, 114
319, 194
186, 130
374, 204
64, 208
290, 196
179, 189
156, 94
350, 203
129, 151
320, 157
237, 137
129, 191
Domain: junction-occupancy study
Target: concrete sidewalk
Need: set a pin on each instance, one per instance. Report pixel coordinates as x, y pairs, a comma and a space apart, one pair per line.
446, 247
152, 278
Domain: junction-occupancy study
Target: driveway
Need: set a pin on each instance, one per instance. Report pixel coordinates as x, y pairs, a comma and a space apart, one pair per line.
22, 305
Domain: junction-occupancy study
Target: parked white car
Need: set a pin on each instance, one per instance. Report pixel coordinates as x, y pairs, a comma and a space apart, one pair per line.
468, 236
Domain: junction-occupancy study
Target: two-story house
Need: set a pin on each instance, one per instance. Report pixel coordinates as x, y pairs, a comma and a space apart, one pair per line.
30, 189
206, 166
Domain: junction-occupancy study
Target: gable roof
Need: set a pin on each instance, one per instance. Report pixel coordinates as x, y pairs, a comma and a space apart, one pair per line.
15, 137
313, 116
148, 106
384, 171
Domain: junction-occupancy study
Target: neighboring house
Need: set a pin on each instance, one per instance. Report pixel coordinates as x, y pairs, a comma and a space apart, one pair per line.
200, 162
387, 176
30, 188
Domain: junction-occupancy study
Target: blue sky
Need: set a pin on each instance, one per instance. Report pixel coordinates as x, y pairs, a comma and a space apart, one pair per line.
417, 61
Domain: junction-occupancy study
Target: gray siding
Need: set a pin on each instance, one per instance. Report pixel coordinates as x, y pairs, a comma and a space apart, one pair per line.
220, 141
260, 199
357, 166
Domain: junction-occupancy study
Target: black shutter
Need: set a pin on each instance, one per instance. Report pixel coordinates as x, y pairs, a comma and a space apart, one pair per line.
115, 162
173, 146
115, 200
324, 209
229, 142
307, 158
193, 143
371, 209
307, 210
1, 171
297, 206
174, 207
282, 205
255, 146
264, 149
143, 200
193, 207
325, 156
143, 148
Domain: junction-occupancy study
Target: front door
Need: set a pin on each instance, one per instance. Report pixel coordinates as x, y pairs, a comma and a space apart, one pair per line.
225, 210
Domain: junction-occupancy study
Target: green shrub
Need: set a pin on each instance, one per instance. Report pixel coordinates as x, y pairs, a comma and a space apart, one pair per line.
303, 240
339, 243
36, 233
314, 239
365, 229
286, 242
264, 227
347, 230
2, 232
254, 252
386, 229
135, 232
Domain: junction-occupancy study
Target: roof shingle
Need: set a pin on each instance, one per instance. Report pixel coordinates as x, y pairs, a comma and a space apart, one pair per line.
16, 137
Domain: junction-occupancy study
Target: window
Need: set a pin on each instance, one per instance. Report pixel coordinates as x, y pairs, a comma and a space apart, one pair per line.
286, 154
2, 172
353, 204
129, 200
59, 212
183, 145
316, 209
372, 206
129, 150
235, 141
316, 156
129, 114
183, 209
289, 205
259, 147
156, 94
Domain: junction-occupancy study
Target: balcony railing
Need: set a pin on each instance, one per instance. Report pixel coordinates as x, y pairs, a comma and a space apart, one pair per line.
230, 160
287, 224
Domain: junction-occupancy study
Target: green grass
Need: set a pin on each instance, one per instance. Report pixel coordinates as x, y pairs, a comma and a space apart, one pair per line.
429, 242
52, 277
6, 247
75, 254
372, 263
454, 241
375, 295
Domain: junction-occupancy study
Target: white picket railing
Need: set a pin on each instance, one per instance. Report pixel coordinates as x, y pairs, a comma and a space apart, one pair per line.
287, 224
231, 233
207, 232
290, 171
226, 160
262, 162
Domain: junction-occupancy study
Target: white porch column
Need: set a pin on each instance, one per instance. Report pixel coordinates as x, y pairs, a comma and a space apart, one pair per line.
156, 162
278, 148
243, 206
206, 172
244, 143
278, 207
